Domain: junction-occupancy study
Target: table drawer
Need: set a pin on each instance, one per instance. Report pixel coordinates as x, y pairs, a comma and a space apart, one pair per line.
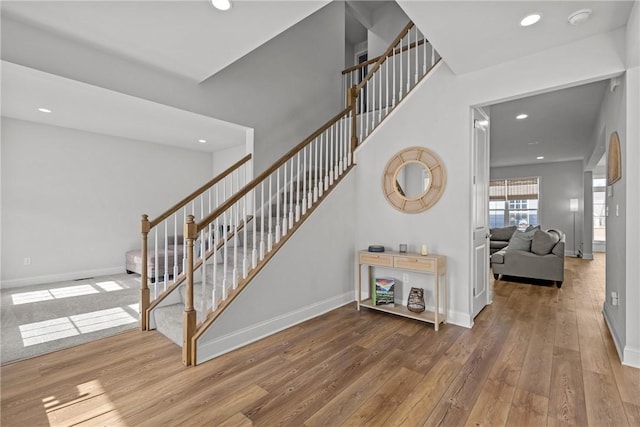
379, 259
415, 263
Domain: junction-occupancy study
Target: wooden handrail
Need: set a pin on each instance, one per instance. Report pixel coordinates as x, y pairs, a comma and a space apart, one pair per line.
384, 56
254, 183
199, 190
377, 58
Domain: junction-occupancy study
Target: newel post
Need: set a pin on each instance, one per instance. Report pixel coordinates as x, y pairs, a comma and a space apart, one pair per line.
145, 227
352, 103
189, 317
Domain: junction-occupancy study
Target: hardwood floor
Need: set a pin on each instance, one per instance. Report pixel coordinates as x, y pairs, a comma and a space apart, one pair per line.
537, 356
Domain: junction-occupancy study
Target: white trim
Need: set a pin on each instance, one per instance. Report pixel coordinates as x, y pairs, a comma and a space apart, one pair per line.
631, 357
587, 256
615, 338
459, 318
61, 277
242, 337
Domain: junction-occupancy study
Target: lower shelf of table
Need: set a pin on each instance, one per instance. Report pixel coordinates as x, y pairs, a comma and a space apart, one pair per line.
401, 310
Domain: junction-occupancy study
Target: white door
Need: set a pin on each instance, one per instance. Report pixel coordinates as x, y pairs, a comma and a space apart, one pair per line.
480, 205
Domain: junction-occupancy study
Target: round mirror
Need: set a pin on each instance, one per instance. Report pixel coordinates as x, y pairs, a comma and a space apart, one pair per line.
413, 179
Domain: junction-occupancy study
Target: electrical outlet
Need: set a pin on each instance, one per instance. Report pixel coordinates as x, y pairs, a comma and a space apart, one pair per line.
27, 261
405, 278
614, 299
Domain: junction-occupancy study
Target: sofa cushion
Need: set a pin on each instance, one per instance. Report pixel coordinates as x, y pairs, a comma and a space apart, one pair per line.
521, 241
503, 233
543, 242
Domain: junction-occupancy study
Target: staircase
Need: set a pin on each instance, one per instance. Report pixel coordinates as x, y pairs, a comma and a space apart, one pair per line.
234, 225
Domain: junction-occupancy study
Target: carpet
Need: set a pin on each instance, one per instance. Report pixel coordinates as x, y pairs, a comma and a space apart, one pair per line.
44, 318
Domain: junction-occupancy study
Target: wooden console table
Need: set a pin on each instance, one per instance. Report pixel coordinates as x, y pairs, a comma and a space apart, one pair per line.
410, 262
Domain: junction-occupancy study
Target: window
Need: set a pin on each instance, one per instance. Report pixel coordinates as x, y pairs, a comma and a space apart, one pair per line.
599, 209
513, 201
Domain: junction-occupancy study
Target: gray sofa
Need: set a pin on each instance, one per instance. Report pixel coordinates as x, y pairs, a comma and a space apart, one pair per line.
534, 254
499, 237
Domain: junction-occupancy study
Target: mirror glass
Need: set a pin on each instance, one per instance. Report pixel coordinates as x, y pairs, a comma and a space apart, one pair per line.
413, 180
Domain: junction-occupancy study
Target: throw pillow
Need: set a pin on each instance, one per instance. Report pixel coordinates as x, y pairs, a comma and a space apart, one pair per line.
543, 242
532, 227
521, 241
503, 234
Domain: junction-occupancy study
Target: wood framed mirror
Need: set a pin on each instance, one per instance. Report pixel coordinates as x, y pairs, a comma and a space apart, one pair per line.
413, 180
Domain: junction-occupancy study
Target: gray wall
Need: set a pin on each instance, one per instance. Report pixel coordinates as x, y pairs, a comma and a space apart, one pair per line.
559, 182
613, 118
72, 200
285, 89
437, 115
311, 274
387, 23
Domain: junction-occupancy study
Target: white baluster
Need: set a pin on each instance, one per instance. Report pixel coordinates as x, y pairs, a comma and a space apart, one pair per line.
316, 190
362, 116
348, 140
340, 148
236, 221
424, 55
254, 243
331, 167
408, 61
184, 243
175, 246
291, 197
433, 56
298, 210
262, 246
401, 73
285, 222
269, 233
393, 100
203, 284
225, 255
373, 102
321, 183
325, 154
216, 242
380, 94
304, 180
386, 98
210, 234
156, 258
277, 206
415, 81
367, 107
245, 259
310, 172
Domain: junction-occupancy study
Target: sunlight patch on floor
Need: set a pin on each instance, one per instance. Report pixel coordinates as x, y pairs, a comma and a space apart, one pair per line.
67, 292
63, 327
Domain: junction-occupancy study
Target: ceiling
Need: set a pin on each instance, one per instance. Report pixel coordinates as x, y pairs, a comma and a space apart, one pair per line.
90, 108
189, 38
471, 35
559, 126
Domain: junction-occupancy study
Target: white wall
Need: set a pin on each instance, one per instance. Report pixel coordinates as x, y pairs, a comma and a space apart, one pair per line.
387, 23
72, 200
311, 274
285, 89
437, 115
631, 350
559, 182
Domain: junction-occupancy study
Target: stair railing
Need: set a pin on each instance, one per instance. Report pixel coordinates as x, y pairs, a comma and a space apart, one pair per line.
168, 247
249, 227
375, 92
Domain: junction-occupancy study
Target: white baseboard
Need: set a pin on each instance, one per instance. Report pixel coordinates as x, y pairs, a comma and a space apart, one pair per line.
61, 277
459, 319
614, 335
229, 342
587, 256
631, 357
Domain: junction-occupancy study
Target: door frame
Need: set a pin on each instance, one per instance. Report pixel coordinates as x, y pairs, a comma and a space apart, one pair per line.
472, 273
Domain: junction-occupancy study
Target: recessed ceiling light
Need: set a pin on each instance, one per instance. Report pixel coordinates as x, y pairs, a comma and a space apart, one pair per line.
533, 143
202, 141
579, 16
44, 110
540, 157
522, 116
530, 19
483, 122
221, 4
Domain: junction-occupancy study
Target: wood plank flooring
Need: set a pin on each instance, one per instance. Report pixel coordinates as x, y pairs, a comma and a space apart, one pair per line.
537, 356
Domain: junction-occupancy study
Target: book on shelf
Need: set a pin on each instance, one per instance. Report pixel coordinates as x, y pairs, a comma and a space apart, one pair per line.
383, 292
